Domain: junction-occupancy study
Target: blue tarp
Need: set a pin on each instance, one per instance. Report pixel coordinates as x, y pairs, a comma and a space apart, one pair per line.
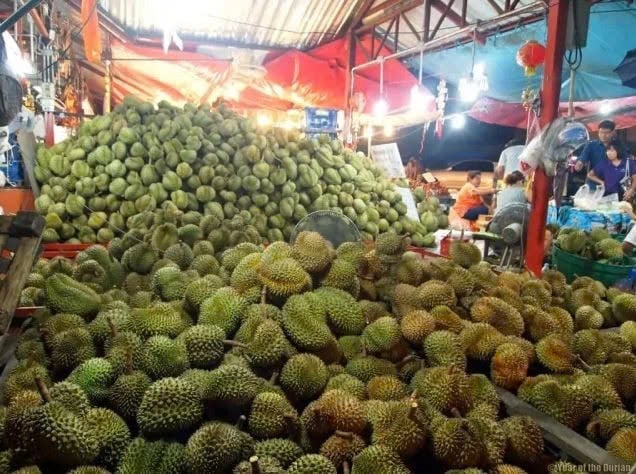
612, 32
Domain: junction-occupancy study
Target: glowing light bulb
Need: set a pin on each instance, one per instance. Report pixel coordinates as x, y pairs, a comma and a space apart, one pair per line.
605, 108
458, 121
419, 99
263, 120
468, 89
380, 108
388, 130
288, 124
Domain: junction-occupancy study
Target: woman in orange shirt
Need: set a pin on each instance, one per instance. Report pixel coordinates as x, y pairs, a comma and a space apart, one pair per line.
469, 203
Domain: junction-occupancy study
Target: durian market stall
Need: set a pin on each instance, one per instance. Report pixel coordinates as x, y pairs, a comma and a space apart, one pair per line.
202, 332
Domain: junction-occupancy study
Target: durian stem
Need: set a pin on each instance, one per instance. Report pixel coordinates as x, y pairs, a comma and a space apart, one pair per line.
413, 396
582, 363
455, 413
44, 391
406, 360
344, 434
594, 427
264, 297
111, 326
363, 348
256, 467
129, 361
345, 468
273, 378
241, 422
228, 342
412, 410
292, 426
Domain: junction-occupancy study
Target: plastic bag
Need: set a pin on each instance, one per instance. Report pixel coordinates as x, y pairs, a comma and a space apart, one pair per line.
588, 199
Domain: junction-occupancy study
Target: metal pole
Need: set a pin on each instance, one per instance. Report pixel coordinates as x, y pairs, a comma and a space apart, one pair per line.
18, 14
550, 92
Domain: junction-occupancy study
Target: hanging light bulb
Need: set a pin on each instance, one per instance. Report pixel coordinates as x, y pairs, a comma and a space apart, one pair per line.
388, 130
380, 108
263, 120
468, 89
605, 108
419, 98
458, 121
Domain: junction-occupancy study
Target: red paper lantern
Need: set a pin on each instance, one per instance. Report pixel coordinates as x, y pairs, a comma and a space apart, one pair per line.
530, 56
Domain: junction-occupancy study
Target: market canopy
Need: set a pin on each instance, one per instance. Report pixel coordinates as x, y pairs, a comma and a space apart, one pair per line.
610, 36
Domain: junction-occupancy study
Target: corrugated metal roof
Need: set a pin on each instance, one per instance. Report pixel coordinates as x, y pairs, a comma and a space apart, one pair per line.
298, 24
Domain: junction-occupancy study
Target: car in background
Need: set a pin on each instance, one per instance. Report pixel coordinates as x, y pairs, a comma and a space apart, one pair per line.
454, 177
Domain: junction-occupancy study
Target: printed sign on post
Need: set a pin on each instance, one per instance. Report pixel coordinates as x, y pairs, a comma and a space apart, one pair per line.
388, 159
407, 198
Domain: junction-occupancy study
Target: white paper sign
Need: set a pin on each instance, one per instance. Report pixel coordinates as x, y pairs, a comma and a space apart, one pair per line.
407, 198
388, 159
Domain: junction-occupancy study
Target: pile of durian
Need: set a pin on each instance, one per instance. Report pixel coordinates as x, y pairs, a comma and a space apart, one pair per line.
305, 359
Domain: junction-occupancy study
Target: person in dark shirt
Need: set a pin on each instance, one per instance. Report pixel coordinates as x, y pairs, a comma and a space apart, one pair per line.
615, 173
595, 151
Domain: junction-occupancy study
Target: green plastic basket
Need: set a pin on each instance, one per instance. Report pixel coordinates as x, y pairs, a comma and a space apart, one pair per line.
572, 265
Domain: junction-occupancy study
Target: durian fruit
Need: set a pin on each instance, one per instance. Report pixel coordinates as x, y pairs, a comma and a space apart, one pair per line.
569, 404
457, 443
169, 406
312, 464
555, 354
447, 319
204, 345
589, 345
564, 321
57, 434
605, 423
539, 291
200, 289
283, 450
113, 436
556, 280
416, 325
465, 254
378, 458
284, 277
342, 447
343, 313
126, 393
65, 295
410, 270
312, 251
366, 367
343, 275
462, 281
381, 335
304, 322
215, 447
164, 357
94, 376
603, 395
586, 317
582, 297
628, 331
622, 377
160, 319
386, 387
524, 439
510, 280
507, 469
444, 348
348, 383
485, 277
390, 244
271, 415
445, 389
231, 385
303, 376
350, 346
504, 317
539, 323
493, 439
433, 293
480, 340
509, 366
623, 445
263, 465
71, 348
401, 425
223, 309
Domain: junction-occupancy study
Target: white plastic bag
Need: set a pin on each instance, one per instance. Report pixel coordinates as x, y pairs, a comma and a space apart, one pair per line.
587, 199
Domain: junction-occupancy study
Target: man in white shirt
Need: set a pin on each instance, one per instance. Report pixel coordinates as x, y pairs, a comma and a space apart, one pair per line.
509, 159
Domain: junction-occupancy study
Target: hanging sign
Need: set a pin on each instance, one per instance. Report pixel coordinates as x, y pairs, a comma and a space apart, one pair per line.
411, 207
387, 158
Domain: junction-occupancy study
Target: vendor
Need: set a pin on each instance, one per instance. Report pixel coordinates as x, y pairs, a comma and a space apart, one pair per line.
412, 169
469, 204
615, 173
514, 192
509, 160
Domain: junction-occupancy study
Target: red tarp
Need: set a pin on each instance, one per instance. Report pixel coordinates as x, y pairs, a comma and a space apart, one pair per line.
514, 115
293, 78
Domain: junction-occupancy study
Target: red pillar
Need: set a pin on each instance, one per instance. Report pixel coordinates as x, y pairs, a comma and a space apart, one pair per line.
550, 92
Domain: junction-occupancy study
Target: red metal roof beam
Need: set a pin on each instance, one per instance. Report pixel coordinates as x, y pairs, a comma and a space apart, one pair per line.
495, 6
451, 15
